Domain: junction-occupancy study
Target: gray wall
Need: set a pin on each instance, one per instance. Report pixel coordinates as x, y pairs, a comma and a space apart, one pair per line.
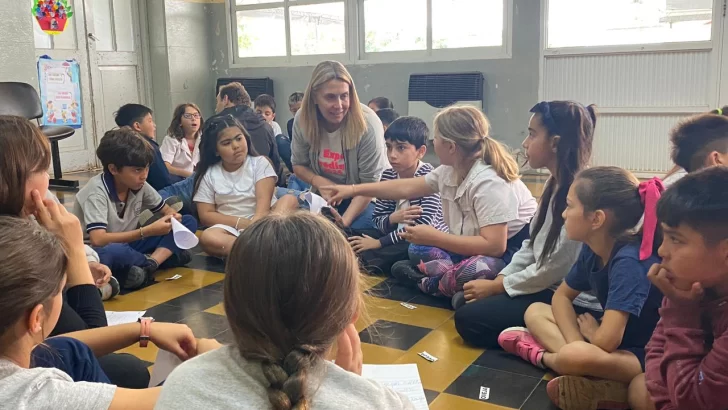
511, 84
17, 46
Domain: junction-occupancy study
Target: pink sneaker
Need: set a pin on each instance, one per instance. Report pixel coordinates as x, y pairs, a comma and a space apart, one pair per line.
518, 341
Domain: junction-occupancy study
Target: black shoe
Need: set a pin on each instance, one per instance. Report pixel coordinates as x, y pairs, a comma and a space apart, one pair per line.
458, 300
139, 276
177, 260
406, 273
110, 289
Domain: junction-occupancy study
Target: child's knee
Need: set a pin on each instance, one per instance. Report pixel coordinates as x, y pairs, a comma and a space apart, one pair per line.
536, 312
287, 203
575, 358
189, 222
638, 396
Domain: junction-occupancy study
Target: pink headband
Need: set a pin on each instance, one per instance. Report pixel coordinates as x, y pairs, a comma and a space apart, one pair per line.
650, 192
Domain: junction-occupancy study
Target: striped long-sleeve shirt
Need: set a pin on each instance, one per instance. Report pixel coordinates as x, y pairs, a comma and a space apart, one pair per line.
431, 209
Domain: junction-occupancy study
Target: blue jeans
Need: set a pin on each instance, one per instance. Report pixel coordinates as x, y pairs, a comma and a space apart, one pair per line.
119, 257
284, 150
71, 357
182, 190
297, 184
364, 220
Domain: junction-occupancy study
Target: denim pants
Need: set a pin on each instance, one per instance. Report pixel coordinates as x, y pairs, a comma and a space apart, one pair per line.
71, 357
182, 190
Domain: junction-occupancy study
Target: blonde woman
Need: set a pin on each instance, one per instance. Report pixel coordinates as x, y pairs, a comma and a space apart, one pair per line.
485, 204
337, 140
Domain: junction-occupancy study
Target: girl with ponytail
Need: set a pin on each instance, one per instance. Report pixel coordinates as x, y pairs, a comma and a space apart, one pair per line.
485, 204
285, 314
604, 204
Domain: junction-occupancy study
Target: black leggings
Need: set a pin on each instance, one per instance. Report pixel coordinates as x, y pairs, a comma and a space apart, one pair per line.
479, 323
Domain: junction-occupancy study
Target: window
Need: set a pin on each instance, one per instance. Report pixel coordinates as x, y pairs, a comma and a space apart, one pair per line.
288, 28
433, 28
297, 32
588, 23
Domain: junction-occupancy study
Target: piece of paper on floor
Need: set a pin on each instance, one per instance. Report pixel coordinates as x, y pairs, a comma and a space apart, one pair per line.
163, 366
402, 378
183, 237
175, 277
228, 229
315, 203
120, 318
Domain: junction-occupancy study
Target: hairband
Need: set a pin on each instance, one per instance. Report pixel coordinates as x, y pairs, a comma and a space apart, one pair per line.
719, 111
650, 192
548, 120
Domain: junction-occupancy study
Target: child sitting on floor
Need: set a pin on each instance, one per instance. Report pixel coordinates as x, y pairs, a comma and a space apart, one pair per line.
265, 105
180, 148
486, 206
234, 185
109, 206
406, 146
285, 314
686, 356
603, 205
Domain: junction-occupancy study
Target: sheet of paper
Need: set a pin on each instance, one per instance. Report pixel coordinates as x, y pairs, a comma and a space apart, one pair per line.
120, 318
315, 203
163, 366
226, 228
402, 378
183, 237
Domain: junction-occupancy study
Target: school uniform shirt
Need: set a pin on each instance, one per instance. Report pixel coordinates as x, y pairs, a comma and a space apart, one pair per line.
384, 208
233, 193
51, 389
621, 285
177, 153
482, 199
98, 205
222, 379
276, 128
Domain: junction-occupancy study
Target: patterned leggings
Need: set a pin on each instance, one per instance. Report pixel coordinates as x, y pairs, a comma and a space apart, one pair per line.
446, 272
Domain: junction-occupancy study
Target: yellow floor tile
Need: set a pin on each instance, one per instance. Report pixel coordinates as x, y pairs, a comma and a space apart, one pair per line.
448, 402
217, 309
195, 278
392, 310
374, 354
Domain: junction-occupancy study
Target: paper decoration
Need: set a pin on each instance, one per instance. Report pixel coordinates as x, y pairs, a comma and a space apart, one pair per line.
52, 15
60, 92
183, 237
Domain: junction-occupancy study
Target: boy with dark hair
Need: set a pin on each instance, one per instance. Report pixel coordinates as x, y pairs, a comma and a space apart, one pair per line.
700, 141
406, 146
109, 205
265, 105
387, 116
687, 356
139, 118
380, 103
294, 104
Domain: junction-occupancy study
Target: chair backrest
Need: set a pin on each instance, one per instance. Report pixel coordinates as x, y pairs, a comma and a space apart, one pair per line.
20, 99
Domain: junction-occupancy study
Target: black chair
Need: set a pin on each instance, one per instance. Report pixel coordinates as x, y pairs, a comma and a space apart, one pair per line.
22, 100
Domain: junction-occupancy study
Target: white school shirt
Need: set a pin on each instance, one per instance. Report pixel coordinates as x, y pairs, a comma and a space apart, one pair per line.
177, 153
482, 199
233, 193
276, 128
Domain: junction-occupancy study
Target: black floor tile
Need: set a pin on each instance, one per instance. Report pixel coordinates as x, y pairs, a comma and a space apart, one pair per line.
506, 389
432, 301
393, 334
205, 324
209, 263
499, 360
391, 289
431, 395
170, 313
215, 286
539, 400
197, 300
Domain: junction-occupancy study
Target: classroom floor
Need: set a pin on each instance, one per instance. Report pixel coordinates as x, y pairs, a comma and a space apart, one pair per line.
392, 335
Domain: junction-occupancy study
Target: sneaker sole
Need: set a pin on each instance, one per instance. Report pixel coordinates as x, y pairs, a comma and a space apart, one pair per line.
581, 393
146, 217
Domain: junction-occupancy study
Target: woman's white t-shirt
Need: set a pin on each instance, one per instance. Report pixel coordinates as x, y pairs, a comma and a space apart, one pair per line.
177, 153
233, 193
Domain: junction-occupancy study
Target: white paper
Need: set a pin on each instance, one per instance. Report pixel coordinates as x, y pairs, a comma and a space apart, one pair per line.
183, 237
163, 366
120, 318
402, 378
315, 202
228, 229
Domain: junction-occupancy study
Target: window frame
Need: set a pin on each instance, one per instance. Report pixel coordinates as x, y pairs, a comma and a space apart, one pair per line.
626, 48
355, 40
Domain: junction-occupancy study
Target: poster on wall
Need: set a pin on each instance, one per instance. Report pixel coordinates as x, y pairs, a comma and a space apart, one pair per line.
60, 92
52, 15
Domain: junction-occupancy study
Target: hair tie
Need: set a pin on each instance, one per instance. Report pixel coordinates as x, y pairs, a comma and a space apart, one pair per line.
719, 111
650, 191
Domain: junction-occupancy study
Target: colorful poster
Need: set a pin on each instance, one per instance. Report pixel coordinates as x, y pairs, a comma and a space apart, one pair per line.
60, 92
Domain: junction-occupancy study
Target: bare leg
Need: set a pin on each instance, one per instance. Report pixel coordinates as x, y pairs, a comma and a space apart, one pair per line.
639, 398
286, 203
585, 359
541, 323
217, 242
160, 255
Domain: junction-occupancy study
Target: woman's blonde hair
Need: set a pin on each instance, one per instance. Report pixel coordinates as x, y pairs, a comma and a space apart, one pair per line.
469, 129
354, 124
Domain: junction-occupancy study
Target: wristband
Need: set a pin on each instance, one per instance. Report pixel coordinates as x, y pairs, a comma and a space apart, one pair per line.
236, 224
145, 330
141, 232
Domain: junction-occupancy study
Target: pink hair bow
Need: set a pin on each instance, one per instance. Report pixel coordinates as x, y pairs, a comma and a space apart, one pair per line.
650, 192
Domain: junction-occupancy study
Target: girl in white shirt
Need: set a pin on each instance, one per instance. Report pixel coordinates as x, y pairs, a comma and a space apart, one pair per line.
486, 206
234, 186
180, 148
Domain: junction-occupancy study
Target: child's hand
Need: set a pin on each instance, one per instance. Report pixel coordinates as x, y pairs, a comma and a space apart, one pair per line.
419, 234
349, 355
178, 217
673, 288
161, 227
58, 220
100, 272
364, 243
174, 338
334, 194
587, 325
406, 216
482, 288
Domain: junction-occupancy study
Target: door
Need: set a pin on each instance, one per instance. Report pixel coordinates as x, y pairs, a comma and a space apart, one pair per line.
114, 36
